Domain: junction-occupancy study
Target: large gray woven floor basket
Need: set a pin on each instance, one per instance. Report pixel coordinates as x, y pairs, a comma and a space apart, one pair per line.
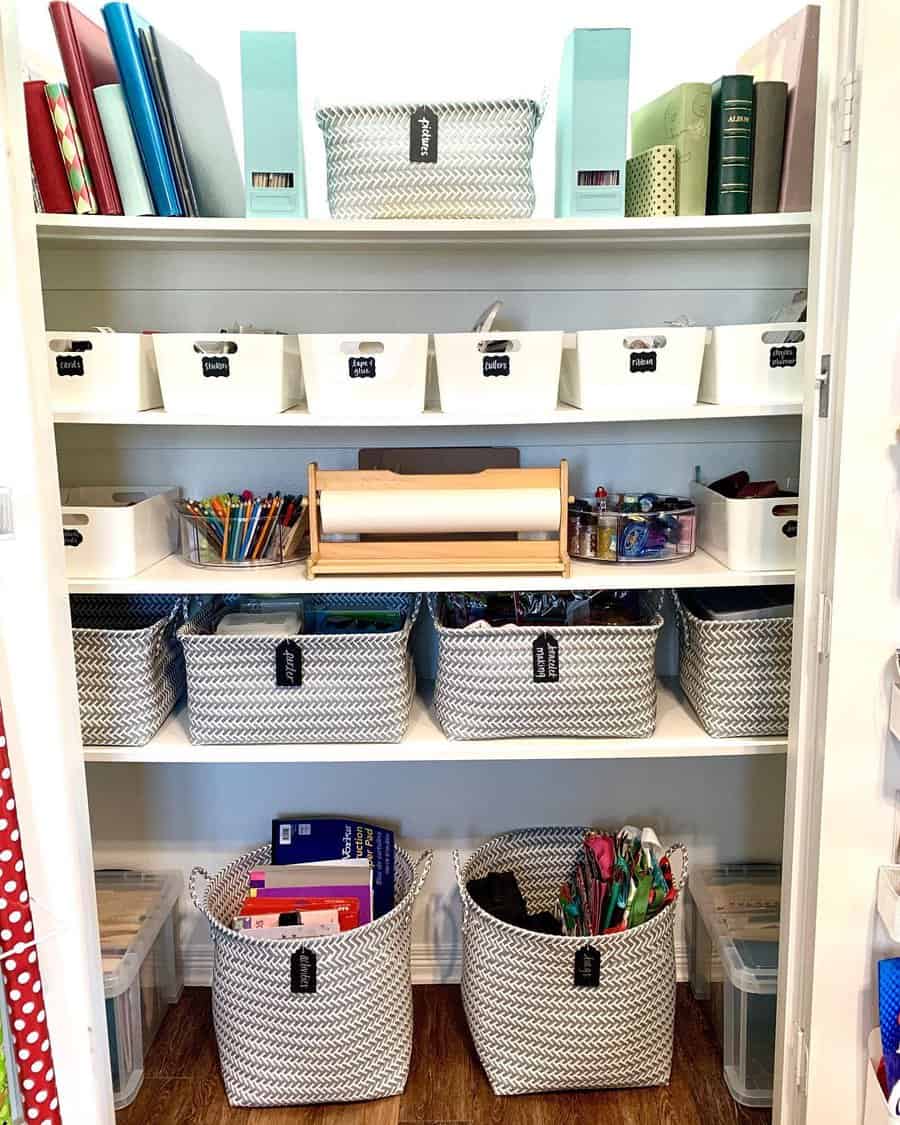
129, 665
485, 685
482, 171
532, 1027
350, 1040
355, 687
737, 674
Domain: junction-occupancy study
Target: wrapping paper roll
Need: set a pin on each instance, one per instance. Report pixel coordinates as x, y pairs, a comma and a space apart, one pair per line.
439, 511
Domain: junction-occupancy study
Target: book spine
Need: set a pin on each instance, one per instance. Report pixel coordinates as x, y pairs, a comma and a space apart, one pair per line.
732, 143
692, 146
123, 151
66, 126
769, 113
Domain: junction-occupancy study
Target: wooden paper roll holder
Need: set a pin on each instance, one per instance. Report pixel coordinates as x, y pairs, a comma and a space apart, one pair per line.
438, 556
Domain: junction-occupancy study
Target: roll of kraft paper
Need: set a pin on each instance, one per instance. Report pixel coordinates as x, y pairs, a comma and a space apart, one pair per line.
438, 511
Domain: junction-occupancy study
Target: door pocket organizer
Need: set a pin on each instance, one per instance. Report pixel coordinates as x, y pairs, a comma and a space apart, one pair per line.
227, 376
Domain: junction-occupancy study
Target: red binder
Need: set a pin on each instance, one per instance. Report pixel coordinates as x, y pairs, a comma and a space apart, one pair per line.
45, 155
88, 62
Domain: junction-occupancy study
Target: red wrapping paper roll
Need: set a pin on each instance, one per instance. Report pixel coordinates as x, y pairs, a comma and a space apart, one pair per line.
21, 968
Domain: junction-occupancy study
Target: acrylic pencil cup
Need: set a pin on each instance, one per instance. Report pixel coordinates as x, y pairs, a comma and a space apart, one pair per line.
267, 536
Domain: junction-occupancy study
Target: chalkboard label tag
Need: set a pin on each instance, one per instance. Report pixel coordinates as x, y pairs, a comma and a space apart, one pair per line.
643, 362
303, 971
215, 366
423, 136
70, 365
361, 366
783, 356
288, 664
587, 967
545, 659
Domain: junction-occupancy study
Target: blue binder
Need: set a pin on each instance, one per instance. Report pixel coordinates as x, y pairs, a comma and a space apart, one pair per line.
274, 176
122, 24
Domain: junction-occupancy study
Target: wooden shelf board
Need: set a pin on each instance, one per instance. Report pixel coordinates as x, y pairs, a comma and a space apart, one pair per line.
563, 415
775, 230
678, 734
172, 576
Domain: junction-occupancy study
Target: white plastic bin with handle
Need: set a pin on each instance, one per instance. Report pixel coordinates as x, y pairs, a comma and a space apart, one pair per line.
747, 534
102, 371
366, 375
497, 374
633, 367
246, 374
754, 364
117, 531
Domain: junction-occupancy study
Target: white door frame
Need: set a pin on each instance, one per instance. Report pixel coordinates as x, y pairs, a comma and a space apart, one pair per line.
37, 678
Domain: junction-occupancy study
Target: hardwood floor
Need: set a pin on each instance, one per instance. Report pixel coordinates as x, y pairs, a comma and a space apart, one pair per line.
446, 1084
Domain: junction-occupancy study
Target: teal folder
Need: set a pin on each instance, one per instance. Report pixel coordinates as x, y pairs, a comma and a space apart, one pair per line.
592, 123
274, 176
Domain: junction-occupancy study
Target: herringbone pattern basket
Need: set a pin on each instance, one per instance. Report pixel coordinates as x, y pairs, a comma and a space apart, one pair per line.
129, 665
483, 168
350, 1040
533, 1028
355, 688
737, 674
607, 681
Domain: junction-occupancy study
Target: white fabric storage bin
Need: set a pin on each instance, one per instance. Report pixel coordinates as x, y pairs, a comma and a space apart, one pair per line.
498, 373
614, 367
747, 534
877, 1112
365, 375
754, 364
98, 372
227, 376
117, 531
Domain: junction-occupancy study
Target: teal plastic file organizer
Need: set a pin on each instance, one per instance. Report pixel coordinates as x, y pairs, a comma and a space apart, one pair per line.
274, 174
592, 123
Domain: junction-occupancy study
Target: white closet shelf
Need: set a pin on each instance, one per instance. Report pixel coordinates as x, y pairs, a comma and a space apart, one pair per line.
300, 416
172, 576
718, 231
677, 735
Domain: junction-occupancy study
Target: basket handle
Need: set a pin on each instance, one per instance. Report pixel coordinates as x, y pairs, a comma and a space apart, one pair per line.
420, 871
681, 621
198, 898
668, 853
463, 895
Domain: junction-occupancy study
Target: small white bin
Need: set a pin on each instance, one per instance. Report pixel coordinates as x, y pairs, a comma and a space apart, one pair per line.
498, 373
99, 372
747, 534
140, 969
877, 1112
750, 364
366, 375
227, 376
627, 367
117, 531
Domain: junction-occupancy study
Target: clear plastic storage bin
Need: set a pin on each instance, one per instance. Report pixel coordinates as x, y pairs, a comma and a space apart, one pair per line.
140, 971
732, 921
98, 372
659, 534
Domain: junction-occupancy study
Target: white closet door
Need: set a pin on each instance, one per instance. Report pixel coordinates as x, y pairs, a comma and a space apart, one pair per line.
849, 769
37, 687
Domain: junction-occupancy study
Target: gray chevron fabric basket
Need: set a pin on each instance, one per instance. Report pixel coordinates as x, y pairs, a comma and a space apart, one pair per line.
129, 665
488, 686
472, 160
349, 1039
533, 1028
736, 674
356, 687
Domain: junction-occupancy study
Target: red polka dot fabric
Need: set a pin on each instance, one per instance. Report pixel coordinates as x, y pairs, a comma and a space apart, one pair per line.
21, 970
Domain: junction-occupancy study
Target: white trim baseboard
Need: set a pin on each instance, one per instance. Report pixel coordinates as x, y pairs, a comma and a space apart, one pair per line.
430, 964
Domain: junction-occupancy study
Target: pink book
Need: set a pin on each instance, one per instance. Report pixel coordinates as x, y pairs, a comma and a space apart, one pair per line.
790, 54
